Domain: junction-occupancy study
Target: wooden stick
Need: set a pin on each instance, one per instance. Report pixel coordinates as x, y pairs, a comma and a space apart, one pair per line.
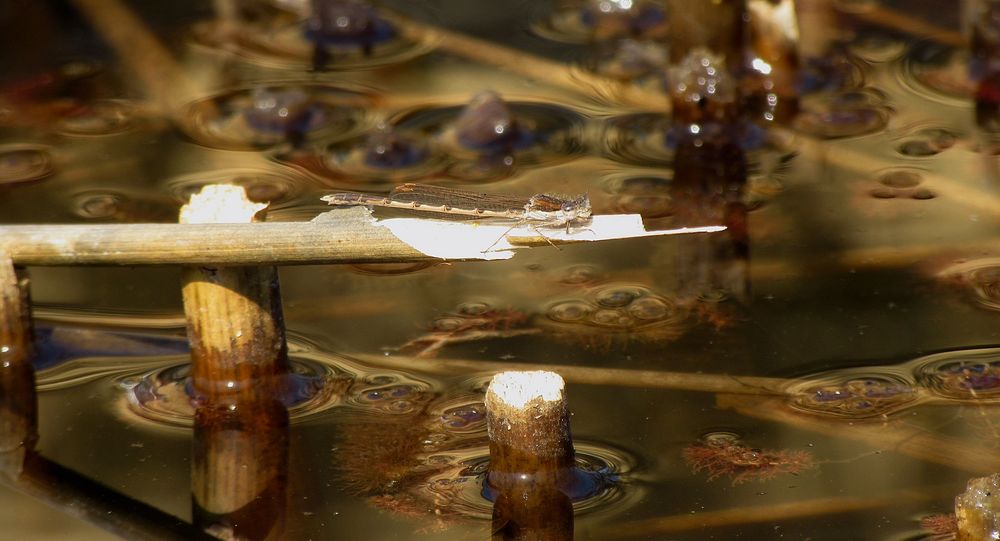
656, 528
18, 403
528, 65
531, 450
239, 359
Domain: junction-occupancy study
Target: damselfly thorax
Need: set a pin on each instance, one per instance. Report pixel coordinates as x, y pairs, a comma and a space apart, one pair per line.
546, 210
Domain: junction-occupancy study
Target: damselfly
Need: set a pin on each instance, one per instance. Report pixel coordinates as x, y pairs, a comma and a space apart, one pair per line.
542, 209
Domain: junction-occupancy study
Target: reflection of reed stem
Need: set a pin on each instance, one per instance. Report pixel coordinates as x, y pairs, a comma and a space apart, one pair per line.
718, 26
80, 497
18, 404
712, 383
239, 470
914, 442
140, 51
757, 514
526, 64
913, 26
864, 165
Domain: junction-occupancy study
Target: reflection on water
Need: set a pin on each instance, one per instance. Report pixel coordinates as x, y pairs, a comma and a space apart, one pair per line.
859, 273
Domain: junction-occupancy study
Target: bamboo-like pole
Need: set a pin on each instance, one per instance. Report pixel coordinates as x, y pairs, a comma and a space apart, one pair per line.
531, 452
239, 359
345, 236
338, 236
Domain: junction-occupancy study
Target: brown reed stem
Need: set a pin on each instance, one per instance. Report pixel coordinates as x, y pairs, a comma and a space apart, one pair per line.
531, 450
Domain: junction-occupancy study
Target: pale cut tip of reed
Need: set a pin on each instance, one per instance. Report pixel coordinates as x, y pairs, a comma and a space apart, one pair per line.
220, 204
517, 389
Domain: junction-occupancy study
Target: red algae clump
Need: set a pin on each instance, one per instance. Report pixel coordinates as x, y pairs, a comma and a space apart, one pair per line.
726, 456
940, 527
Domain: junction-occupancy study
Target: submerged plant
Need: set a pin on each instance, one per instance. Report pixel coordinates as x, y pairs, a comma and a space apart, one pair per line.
726, 456
940, 527
472, 322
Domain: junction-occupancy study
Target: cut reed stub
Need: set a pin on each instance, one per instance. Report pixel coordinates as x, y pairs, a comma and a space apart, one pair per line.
528, 422
531, 456
234, 317
527, 419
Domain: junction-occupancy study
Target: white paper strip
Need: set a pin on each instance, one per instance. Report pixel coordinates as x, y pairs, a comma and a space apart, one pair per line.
456, 239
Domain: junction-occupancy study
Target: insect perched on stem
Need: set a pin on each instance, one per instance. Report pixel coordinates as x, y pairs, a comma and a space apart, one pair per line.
539, 210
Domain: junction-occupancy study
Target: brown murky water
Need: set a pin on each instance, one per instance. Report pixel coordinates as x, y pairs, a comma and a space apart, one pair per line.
866, 282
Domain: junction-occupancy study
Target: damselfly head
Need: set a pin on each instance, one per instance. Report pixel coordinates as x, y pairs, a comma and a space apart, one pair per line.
557, 208
579, 205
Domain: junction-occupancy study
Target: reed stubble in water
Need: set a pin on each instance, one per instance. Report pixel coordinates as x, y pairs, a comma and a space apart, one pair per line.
531, 453
239, 355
